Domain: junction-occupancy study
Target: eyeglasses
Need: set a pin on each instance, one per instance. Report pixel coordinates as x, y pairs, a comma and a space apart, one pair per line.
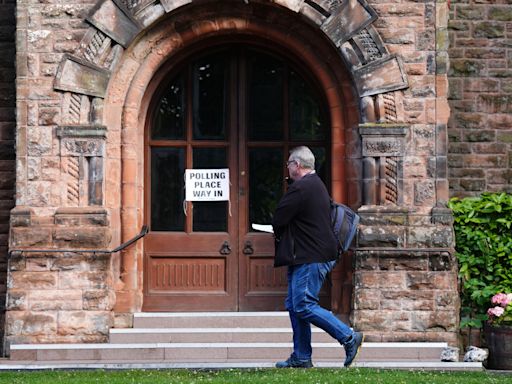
291, 162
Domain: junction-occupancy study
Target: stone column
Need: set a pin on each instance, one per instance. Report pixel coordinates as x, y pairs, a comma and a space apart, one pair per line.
405, 277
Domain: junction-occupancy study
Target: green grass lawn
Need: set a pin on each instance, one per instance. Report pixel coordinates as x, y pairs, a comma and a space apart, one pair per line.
260, 376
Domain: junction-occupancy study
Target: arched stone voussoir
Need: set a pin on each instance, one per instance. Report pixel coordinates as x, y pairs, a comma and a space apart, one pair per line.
380, 76
115, 20
81, 76
347, 20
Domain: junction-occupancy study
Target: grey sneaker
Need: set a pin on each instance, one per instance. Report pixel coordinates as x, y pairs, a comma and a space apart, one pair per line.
293, 362
352, 347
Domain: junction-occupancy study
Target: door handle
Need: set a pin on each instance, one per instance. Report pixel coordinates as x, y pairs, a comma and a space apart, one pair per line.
248, 249
225, 248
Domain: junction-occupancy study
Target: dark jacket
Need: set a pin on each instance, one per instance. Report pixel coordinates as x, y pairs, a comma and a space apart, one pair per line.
302, 224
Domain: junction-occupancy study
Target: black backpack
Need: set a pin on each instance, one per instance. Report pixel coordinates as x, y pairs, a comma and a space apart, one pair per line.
344, 225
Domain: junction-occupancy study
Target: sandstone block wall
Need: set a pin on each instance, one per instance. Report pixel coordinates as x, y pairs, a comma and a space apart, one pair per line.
7, 129
59, 296
480, 76
405, 277
53, 296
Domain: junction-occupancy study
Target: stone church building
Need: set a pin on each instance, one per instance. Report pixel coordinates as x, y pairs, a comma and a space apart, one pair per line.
106, 104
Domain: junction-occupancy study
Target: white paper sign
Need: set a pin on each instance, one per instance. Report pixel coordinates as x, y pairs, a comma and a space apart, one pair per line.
207, 184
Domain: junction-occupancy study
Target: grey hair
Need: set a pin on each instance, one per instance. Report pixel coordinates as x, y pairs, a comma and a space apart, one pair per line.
304, 156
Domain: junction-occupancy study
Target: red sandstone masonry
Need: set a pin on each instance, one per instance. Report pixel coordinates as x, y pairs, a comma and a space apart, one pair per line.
480, 96
7, 136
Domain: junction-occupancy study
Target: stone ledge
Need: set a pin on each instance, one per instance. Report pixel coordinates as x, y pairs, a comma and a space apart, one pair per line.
383, 129
82, 131
82, 216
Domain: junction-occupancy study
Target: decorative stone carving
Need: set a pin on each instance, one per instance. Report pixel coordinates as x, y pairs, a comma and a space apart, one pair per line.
82, 151
386, 108
383, 148
72, 169
115, 21
96, 46
347, 20
82, 141
391, 172
369, 44
82, 147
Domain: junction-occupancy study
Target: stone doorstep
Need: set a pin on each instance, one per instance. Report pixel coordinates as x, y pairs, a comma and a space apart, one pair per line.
211, 319
215, 352
218, 335
208, 335
261, 314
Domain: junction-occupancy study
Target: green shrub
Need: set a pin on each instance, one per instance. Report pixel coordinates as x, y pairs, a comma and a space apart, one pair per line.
484, 250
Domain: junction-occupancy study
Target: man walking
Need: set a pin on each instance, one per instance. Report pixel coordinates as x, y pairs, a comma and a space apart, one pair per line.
306, 244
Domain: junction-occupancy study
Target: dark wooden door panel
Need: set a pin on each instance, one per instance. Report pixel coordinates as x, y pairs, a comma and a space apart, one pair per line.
189, 272
262, 287
186, 275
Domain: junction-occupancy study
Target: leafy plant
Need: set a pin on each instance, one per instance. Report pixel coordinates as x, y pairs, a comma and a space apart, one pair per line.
484, 250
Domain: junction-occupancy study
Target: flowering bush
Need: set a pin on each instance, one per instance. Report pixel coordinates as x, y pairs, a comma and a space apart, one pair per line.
483, 239
501, 313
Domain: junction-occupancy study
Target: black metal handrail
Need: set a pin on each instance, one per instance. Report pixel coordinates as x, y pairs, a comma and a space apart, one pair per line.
143, 232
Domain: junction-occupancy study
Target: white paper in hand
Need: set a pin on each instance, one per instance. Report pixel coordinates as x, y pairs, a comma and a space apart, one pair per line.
263, 228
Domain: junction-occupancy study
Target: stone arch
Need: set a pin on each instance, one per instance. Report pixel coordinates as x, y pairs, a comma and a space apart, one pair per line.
107, 80
115, 24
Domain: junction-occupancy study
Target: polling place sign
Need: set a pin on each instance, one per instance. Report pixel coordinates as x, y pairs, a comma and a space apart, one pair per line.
207, 184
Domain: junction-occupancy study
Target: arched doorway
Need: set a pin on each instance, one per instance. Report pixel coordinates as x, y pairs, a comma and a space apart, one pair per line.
239, 107
134, 90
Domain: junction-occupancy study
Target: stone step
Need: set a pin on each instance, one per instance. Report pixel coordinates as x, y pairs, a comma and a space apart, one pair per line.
8, 365
218, 352
211, 320
217, 340
209, 335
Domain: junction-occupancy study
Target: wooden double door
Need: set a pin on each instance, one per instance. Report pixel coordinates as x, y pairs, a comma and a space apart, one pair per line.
239, 108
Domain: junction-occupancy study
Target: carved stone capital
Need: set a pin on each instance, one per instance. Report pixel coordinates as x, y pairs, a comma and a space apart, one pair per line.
379, 140
85, 147
82, 140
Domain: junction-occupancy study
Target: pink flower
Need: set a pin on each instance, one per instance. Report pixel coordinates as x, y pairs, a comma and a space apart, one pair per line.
495, 311
502, 299
501, 313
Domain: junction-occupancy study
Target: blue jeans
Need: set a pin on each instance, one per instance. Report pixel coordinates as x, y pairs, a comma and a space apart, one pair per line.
304, 284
